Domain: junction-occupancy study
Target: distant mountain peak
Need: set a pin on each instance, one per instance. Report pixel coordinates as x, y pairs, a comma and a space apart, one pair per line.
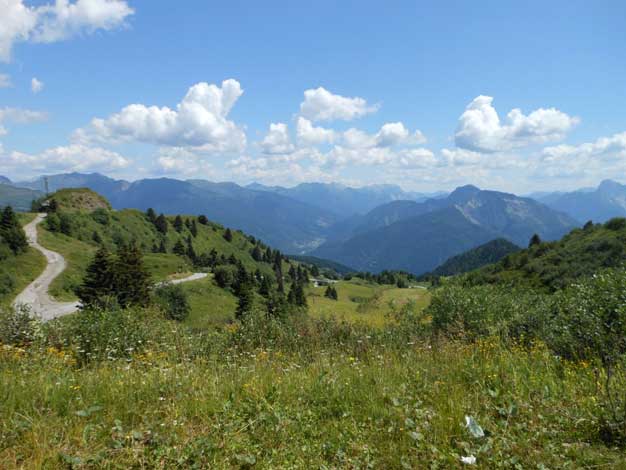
4, 180
464, 192
610, 186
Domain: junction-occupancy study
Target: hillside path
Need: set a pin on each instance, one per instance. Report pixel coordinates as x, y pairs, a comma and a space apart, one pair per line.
36, 294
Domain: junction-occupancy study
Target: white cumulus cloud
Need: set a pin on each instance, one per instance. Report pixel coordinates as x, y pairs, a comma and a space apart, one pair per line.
65, 159
56, 21
277, 140
199, 121
20, 116
480, 129
36, 85
308, 134
321, 105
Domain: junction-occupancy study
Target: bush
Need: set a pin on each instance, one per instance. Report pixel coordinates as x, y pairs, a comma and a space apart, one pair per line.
172, 299
225, 276
18, 327
488, 310
96, 334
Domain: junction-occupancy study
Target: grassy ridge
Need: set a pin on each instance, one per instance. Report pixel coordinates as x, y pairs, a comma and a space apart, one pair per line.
130, 225
554, 265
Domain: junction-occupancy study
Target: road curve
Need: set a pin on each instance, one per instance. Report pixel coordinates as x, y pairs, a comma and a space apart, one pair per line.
36, 296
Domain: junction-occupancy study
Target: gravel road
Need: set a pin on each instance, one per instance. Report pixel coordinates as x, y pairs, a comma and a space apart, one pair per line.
36, 296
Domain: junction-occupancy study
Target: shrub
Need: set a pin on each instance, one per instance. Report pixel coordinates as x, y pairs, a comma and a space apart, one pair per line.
96, 334
18, 327
172, 299
225, 276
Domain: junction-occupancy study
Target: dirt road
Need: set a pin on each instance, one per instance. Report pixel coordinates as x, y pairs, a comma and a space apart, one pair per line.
36, 295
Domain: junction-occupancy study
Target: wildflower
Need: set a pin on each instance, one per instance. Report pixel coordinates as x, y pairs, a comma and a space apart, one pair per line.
469, 460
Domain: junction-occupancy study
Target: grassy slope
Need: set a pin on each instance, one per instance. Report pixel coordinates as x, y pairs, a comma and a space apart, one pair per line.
360, 301
332, 410
130, 225
210, 305
554, 265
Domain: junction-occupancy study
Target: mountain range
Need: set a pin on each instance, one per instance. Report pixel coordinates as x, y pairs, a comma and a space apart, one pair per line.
419, 236
370, 228
606, 201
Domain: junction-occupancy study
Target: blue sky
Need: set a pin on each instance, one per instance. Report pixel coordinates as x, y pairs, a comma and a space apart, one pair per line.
412, 93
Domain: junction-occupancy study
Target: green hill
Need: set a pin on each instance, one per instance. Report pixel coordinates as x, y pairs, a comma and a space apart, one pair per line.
553, 265
490, 252
323, 264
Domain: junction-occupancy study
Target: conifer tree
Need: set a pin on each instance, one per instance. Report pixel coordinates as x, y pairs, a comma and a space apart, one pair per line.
132, 280
12, 232
257, 255
191, 253
178, 223
246, 301
151, 215
194, 228
278, 270
98, 287
265, 288
228, 235
161, 224
534, 240
162, 247
331, 292
202, 219
179, 248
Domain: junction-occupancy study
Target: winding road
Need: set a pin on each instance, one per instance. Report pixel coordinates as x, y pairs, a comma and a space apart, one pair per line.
36, 295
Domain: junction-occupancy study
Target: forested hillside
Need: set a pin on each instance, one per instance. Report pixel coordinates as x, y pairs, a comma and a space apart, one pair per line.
554, 265
489, 253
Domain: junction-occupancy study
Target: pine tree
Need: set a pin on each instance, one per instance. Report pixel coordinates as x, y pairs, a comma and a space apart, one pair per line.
12, 232
265, 288
162, 247
267, 256
278, 270
246, 301
257, 255
194, 228
98, 287
228, 235
161, 224
179, 248
331, 292
151, 215
202, 219
276, 305
191, 253
534, 240
132, 280
293, 274
242, 279
178, 224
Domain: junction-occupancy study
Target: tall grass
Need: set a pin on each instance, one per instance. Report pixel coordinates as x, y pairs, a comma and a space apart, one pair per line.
298, 394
